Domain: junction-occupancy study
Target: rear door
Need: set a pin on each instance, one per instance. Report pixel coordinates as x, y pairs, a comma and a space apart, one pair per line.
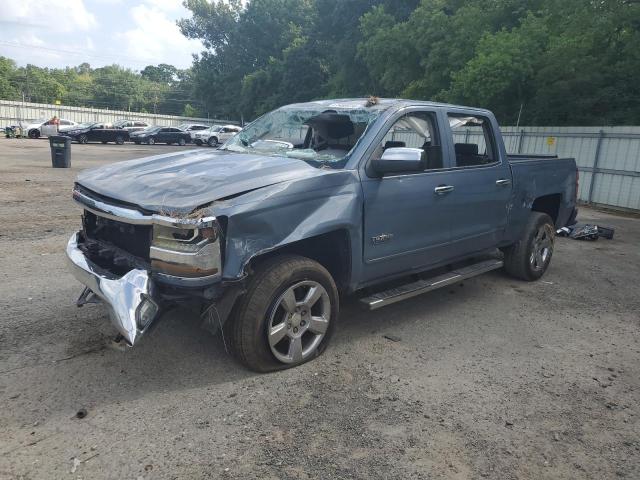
164, 135
481, 181
96, 134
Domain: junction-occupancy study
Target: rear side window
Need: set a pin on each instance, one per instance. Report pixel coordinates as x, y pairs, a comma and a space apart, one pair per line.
472, 140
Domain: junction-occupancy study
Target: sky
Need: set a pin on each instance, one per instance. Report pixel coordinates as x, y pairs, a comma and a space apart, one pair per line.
131, 33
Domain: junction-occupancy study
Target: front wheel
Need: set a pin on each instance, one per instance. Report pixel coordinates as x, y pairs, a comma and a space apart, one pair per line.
529, 257
119, 140
182, 142
83, 139
213, 142
151, 141
198, 142
35, 133
287, 315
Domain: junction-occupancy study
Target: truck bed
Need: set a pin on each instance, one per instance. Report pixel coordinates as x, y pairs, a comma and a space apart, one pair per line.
544, 176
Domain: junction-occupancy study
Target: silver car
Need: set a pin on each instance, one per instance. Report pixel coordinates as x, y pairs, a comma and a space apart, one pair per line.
216, 135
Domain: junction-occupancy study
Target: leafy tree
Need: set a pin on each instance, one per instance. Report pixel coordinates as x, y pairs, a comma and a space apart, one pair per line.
7, 70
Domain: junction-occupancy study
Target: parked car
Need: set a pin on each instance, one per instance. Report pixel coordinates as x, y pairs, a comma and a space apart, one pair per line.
215, 135
192, 127
381, 198
168, 135
98, 132
45, 128
131, 125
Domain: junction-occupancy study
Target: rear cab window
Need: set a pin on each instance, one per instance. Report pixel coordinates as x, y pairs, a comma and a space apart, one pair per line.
473, 140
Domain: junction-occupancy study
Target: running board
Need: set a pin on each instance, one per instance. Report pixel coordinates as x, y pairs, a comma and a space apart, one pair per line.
408, 290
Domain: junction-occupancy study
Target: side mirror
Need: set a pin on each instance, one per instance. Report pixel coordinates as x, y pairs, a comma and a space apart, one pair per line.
400, 159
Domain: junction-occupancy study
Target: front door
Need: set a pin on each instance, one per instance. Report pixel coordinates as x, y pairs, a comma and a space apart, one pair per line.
406, 223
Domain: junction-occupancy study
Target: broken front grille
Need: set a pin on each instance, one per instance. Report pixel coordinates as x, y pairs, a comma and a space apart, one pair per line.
116, 246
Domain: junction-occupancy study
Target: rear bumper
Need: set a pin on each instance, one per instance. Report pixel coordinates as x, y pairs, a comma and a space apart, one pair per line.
130, 298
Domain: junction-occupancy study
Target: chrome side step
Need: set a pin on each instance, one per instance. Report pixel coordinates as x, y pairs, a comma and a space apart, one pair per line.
408, 290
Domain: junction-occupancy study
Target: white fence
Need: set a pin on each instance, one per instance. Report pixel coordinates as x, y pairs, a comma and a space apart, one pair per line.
12, 112
608, 158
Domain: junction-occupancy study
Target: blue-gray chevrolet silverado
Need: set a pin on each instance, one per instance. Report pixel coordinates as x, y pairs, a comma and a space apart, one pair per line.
382, 198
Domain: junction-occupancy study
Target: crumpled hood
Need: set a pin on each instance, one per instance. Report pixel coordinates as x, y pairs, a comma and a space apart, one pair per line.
185, 180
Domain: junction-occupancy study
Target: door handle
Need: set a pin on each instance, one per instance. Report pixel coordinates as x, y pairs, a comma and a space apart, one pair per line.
442, 189
503, 182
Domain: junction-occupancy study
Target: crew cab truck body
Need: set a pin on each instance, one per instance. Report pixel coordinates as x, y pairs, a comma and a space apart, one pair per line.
381, 198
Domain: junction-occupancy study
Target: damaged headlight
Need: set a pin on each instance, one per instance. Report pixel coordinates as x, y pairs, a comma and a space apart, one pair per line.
189, 250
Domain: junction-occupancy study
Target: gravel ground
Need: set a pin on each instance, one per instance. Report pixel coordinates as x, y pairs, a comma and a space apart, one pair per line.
495, 378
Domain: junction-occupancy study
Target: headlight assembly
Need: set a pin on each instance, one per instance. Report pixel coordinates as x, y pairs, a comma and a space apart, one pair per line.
186, 250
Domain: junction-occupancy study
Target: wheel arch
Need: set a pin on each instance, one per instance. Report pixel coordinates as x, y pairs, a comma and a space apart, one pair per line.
549, 204
332, 250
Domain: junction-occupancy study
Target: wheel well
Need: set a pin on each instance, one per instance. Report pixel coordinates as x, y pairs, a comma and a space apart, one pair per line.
549, 204
331, 250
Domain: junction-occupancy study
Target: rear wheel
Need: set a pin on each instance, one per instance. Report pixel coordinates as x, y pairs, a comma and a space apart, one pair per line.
182, 142
120, 140
213, 142
287, 315
35, 133
83, 138
151, 141
104, 142
530, 256
137, 142
197, 141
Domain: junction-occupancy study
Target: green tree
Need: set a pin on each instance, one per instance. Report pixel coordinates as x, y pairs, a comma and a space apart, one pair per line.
7, 72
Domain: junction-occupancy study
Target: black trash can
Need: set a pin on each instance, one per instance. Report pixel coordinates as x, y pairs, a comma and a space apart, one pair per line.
60, 151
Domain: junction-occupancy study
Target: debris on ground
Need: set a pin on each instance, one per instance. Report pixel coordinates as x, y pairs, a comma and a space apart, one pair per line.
586, 231
76, 464
393, 338
80, 414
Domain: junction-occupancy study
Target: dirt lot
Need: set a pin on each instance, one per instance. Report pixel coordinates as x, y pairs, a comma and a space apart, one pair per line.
495, 378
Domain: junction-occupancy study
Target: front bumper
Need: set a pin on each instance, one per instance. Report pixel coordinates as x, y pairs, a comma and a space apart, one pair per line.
129, 298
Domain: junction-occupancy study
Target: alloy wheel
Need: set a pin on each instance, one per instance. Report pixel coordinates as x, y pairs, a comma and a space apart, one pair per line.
542, 247
298, 321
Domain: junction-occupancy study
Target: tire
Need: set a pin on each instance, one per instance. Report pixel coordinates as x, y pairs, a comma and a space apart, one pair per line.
119, 140
151, 141
83, 139
34, 133
212, 142
261, 309
137, 142
529, 258
104, 142
182, 142
169, 143
198, 142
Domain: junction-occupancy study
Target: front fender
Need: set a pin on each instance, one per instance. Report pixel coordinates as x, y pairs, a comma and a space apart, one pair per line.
278, 215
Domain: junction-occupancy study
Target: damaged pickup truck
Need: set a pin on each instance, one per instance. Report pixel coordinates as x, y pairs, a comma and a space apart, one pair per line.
382, 198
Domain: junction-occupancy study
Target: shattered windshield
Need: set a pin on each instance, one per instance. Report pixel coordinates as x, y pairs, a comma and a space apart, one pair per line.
320, 134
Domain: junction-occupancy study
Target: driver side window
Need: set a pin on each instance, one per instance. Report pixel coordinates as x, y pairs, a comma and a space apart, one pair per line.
414, 130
